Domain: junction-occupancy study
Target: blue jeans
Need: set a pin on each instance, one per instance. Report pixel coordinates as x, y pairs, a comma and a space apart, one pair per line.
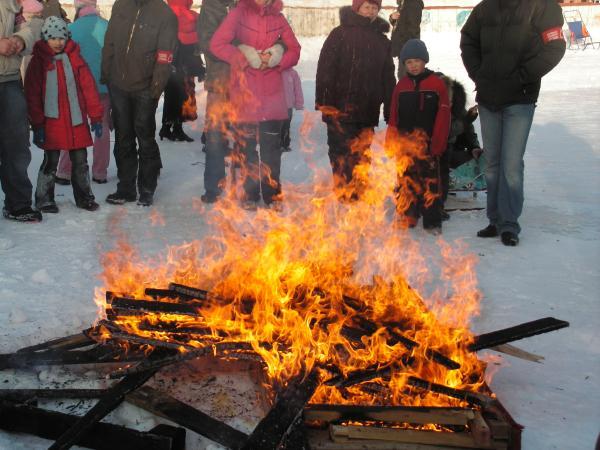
505, 134
14, 147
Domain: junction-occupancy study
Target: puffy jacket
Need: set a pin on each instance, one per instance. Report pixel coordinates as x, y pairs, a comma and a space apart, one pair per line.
186, 20
508, 46
256, 95
139, 45
89, 31
212, 14
408, 25
355, 72
60, 133
12, 23
422, 103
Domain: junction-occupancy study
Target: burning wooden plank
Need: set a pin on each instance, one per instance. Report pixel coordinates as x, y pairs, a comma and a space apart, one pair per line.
170, 408
461, 394
64, 343
134, 306
517, 332
102, 436
276, 425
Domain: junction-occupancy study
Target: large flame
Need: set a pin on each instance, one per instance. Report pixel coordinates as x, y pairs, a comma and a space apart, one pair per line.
327, 283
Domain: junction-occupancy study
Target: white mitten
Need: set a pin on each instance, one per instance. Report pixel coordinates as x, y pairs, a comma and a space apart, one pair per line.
276, 54
251, 55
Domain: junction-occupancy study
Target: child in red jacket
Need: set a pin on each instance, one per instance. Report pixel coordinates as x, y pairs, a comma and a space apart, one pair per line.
420, 102
61, 94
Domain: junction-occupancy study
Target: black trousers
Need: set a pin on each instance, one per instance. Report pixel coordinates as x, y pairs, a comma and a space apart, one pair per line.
286, 139
348, 145
80, 178
133, 118
419, 193
179, 88
261, 170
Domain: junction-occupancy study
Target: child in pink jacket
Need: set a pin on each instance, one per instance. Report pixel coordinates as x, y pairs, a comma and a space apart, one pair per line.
294, 99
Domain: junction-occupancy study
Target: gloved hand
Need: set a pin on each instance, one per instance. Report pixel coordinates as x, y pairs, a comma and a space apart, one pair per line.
39, 137
97, 129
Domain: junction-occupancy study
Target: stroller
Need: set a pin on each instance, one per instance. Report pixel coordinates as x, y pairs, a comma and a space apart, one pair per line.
578, 36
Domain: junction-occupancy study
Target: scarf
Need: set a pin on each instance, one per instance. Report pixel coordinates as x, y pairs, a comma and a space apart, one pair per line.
51, 100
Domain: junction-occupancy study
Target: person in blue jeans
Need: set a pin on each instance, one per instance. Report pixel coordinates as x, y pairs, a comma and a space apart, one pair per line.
16, 39
507, 47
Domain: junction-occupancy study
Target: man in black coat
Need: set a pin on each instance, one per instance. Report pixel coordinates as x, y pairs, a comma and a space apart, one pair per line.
507, 47
406, 25
355, 76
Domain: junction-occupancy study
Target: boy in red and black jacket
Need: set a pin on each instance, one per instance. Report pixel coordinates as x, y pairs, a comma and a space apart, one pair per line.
420, 102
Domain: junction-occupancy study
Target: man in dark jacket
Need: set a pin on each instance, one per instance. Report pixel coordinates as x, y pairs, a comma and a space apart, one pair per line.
213, 12
136, 63
406, 23
355, 76
507, 47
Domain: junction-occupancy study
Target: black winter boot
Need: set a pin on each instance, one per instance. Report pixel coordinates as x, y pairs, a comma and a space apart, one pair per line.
44, 190
165, 132
80, 179
488, 232
179, 134
509, 238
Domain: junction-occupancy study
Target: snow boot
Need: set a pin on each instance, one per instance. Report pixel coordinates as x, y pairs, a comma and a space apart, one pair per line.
509, 238
488, 232
26, 214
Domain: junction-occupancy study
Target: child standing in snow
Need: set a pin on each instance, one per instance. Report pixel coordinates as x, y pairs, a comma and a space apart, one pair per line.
294, 99
88, 31
61, 94
420, 103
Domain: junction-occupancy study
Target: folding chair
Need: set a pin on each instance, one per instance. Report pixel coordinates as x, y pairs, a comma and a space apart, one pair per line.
578, 37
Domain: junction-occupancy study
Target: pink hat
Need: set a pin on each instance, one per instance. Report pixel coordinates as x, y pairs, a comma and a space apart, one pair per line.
32, 7
356, 4
83, 3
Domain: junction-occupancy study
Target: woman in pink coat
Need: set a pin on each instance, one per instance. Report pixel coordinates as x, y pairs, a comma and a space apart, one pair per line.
256, 90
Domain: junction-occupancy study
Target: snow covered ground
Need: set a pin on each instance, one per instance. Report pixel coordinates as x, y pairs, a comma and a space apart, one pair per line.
48, 271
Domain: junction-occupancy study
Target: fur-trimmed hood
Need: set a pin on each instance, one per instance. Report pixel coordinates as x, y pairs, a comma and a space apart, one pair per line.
349, 18
457, 96
273, 8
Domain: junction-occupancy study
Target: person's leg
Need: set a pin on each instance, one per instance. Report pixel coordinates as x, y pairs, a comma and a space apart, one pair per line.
170, 106
270, 159
246, 136
216, 146
149, 153
432, 194
80, 179
491, 133
285, 132
342, 157
125, 151
15, 155
102, 144
516, 124
63, 171
44, 191
408, 194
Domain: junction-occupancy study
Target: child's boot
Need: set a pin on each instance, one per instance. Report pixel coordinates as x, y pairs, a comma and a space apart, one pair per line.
44, 191
80, 178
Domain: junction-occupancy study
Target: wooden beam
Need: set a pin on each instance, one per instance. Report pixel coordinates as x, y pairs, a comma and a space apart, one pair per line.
64, 343
390, 414
22, 395
517, 352
517, 332
101, 436
170, 408
480, 430
447, 439
461, 394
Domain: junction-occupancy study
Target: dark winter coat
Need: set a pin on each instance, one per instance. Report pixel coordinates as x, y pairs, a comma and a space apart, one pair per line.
212, 13
355, 72
462, 138
508, 46
421, 103
139, 45
408, 25
256, 95
60, 134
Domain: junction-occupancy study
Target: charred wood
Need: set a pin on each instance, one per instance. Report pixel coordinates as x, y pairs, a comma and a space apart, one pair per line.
270, 433
170, 408
113, 397
517, 332
461, 394
101, 436
135, 306
166, 293
22, 395
64, 343
99, 354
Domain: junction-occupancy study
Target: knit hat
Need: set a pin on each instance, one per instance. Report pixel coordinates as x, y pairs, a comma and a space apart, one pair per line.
32, 7
414, 49
55, 28
83, 3
356, 4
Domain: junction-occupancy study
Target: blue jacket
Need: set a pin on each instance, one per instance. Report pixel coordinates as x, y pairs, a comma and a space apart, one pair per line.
88, 32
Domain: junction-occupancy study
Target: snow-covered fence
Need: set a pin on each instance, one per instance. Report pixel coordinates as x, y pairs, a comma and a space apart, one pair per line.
320, 20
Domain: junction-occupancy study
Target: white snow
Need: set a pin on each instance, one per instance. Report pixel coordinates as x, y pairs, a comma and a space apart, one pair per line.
48, 271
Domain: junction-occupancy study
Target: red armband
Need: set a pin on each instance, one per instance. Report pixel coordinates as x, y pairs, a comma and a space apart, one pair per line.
164, 57
552, 34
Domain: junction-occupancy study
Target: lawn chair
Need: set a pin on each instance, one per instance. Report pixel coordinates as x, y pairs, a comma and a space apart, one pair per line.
578, 37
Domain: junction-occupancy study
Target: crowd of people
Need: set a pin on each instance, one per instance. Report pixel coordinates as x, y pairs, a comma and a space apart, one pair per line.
86, 78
